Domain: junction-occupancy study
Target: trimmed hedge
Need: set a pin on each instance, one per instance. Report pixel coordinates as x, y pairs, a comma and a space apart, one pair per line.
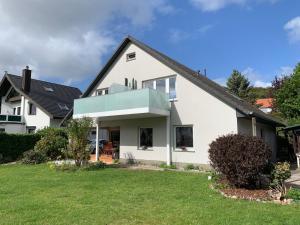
12, 146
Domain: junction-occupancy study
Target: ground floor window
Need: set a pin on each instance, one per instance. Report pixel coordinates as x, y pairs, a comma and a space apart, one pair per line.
31, 130
184, 137
145, 138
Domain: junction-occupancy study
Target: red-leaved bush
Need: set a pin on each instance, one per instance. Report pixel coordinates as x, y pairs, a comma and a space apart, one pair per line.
241, 159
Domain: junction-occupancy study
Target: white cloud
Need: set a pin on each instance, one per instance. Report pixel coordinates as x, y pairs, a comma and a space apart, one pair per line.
285, 71
255, 78
66, 38
221, 81
293, 29
177, 35
204, 29
214, 5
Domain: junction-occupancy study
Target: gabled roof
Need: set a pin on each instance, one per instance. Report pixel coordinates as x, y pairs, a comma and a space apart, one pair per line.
200, 80
48, 101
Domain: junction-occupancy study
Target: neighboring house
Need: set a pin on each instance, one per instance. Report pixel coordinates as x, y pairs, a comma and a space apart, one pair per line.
158, 110
27, 104
265, 104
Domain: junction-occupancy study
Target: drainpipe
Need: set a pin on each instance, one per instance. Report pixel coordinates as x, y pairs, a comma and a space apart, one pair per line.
168, 141
97, 140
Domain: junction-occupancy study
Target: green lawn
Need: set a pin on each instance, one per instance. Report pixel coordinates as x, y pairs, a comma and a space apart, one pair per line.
38, 195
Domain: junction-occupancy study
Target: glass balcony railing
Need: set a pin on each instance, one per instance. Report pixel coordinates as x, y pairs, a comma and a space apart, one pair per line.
149, 99
10, 118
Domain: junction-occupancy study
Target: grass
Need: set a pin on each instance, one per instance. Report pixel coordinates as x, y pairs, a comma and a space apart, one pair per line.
38, 195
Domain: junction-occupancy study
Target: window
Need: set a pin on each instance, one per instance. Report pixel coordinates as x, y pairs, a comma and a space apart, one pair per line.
262, 135
148, 84
166, 85
103, 91
130, 56
31, 109
146, 138
30, 130
49, 89
172, 87
161, 85
63, 106
184, 137
17, 110
2, 130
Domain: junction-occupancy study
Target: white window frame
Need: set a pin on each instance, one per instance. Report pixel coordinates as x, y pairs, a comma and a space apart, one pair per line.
130, 59
188, 149
167, 79
139, 139
102, 91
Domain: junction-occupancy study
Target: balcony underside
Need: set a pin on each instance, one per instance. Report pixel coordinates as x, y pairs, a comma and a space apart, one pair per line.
125, 114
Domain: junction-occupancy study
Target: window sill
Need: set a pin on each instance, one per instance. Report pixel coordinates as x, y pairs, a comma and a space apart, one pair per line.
147, 149
173, 100
180, 150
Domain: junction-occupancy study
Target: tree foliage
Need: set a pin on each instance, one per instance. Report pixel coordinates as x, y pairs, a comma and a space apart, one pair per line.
287, 95
78, 147
238, 84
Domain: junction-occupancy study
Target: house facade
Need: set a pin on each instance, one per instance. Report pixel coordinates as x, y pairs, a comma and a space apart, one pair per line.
28, 104
156, 110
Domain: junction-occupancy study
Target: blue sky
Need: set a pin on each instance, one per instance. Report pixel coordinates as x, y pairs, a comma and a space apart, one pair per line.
261, 38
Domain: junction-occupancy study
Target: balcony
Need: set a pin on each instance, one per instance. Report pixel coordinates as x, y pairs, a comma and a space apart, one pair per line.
124, 104
10, 118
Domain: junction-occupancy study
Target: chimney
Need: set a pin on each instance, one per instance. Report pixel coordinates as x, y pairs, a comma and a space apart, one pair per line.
26, 79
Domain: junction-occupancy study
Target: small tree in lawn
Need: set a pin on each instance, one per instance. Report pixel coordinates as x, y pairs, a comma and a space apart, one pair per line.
78, 147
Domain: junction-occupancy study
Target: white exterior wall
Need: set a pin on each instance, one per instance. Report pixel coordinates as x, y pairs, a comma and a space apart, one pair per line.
269, 133
209, 116
12, 128
40, 120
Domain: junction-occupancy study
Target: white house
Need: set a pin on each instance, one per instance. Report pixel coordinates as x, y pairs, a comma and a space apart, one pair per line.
158, 110
28, 104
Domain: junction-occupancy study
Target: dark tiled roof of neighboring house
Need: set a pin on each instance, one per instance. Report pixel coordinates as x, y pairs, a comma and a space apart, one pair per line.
200, 80
56, 100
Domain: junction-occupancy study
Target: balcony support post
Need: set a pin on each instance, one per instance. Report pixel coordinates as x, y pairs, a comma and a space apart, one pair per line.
168, 140
97, 140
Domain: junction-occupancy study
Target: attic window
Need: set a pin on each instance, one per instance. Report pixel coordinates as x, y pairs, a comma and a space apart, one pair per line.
130, 56
49, 89
63, 106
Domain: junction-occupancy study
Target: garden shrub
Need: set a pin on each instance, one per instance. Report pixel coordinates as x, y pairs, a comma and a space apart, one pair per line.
280, 173
78, 146
240, 159
53, 131
33, 157
52, 146
12, 146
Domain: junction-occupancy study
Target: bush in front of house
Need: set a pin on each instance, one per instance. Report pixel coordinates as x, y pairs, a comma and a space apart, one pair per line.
240, 159
12, 146
52, 146
280, 173
33, 157
78, 146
